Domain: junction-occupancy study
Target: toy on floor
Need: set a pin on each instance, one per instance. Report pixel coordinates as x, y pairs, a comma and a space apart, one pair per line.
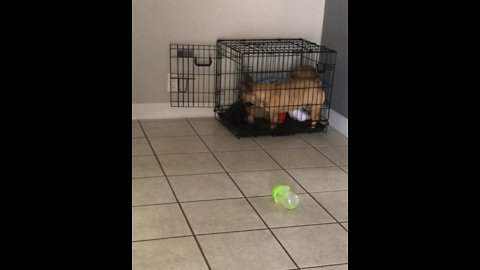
281, 194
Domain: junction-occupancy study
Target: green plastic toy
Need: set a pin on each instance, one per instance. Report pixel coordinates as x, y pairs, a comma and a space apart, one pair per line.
281, 194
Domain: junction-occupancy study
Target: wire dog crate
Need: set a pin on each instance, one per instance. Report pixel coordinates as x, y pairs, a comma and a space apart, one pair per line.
256, 86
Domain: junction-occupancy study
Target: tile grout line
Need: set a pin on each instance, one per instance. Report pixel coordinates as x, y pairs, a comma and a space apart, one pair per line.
231, 198
344, 225
236, 231
143, 155
260, 170
303, 187
316, 148
144, 177
336, 164
180, 206
161, 238
326, 265
266, 225
264, 229
153, 204
143, 131
339, 166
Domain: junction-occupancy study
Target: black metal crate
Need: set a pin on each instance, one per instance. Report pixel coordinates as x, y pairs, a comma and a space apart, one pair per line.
192, 75
257, 86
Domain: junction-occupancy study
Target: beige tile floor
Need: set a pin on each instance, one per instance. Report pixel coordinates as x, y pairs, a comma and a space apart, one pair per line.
201, 198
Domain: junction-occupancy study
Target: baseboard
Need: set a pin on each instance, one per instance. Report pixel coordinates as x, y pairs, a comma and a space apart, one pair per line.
164, 111
338, 122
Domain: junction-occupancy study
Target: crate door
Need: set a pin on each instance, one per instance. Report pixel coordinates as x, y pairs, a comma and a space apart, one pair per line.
192, 75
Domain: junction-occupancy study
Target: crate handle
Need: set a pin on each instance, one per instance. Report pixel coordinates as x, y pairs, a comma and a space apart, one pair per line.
204, 65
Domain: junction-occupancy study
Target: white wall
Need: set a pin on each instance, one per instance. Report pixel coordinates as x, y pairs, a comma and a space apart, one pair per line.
157, 23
